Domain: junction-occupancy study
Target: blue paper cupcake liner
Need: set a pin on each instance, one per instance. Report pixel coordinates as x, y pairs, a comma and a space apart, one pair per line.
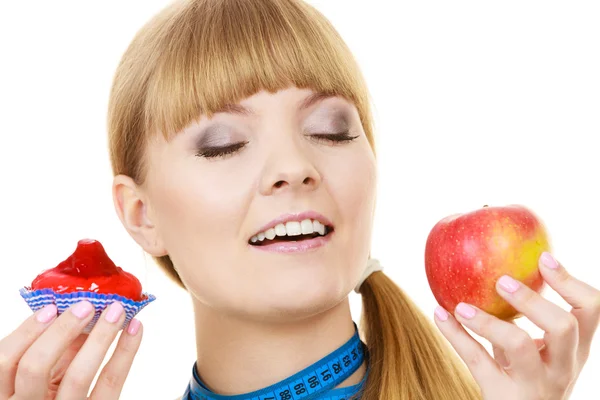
37, 299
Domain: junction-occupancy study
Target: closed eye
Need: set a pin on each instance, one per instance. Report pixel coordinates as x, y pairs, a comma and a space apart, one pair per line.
334, 138
220, 152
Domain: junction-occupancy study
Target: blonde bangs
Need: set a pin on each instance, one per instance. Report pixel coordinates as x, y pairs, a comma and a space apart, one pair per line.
197, 56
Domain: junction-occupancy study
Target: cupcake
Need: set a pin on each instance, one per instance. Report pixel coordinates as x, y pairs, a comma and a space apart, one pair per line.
87, 274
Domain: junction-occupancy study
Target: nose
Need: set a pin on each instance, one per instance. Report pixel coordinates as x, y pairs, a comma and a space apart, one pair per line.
289, 169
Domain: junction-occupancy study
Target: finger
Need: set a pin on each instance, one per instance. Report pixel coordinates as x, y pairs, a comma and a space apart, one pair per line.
16, 344
523, 359
499, 354
560, 327
113, 375
584, 299
33, 372
500, 357
80, 374
479, 362
59, 369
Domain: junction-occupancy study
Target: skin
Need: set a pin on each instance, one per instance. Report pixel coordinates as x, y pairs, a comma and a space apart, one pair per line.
251, 305
288, 310
524, 368
52, 359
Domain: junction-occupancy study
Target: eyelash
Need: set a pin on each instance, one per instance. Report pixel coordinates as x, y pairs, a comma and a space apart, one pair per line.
334, 139
222, 152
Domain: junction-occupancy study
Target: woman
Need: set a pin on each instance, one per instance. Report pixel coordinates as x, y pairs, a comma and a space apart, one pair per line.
242, 145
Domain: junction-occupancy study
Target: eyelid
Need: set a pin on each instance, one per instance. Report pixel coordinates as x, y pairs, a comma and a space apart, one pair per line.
214, 152
330, 119
218, 135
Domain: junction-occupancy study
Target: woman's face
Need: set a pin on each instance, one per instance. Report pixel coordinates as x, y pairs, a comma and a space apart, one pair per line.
260, 168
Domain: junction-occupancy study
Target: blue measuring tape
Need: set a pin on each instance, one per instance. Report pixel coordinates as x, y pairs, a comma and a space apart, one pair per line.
314, 382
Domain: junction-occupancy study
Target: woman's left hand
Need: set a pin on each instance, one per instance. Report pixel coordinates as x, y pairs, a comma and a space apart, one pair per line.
523, 368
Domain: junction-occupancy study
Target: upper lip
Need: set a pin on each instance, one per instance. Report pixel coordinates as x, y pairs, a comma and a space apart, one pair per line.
298, 217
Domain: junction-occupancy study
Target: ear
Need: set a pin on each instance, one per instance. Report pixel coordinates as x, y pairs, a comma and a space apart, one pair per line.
133, 211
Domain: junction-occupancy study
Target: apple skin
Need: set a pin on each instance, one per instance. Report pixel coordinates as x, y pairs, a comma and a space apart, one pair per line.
466, 254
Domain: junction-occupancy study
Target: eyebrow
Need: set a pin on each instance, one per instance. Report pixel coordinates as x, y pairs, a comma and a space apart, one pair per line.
306, 103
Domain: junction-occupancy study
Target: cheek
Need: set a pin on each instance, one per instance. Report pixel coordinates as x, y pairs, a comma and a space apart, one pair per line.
198, 213
353, 186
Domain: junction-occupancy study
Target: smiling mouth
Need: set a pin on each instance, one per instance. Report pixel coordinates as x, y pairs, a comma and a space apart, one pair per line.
291, 232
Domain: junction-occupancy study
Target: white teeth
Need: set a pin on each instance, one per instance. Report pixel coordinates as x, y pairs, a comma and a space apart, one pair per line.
319, 227
307, 227
280, 230
270, 234
292, 228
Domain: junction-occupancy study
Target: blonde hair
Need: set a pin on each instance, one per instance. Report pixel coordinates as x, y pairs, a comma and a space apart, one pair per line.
196, 56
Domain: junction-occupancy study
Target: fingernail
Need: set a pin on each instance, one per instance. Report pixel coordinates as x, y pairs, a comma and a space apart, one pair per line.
548, 261
441, 313
114, 312
134, 327
465, 310
82, 309
46, 314
508, 284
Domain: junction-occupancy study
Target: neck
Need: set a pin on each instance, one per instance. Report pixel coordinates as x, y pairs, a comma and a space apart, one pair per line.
237, 356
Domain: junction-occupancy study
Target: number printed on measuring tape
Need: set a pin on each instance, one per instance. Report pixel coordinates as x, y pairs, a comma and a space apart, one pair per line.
315, 382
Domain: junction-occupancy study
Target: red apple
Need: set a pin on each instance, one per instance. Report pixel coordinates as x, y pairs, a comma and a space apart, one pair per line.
466, 254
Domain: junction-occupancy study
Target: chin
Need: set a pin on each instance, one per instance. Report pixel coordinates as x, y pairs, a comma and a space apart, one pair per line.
293, 302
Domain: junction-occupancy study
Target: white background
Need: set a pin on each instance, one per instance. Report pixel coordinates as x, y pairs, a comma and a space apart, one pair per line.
475, 103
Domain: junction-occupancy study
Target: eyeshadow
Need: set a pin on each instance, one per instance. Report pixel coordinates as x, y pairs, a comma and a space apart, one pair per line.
336, 120
215, 135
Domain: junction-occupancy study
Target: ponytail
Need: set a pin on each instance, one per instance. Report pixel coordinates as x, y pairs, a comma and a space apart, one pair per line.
408, 358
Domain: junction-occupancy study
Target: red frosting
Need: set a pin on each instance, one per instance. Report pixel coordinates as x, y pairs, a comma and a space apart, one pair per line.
89, 269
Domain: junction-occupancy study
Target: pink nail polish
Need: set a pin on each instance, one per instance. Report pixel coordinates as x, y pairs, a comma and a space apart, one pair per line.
134, 327
548, 260
113, 313
46, 314
82, 309
465, 310
508, 284
441, 313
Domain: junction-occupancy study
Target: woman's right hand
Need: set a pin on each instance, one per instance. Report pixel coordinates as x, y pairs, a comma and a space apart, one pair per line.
50, 358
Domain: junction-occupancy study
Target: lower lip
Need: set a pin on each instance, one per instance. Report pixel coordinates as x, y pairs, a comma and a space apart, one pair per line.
296, 247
